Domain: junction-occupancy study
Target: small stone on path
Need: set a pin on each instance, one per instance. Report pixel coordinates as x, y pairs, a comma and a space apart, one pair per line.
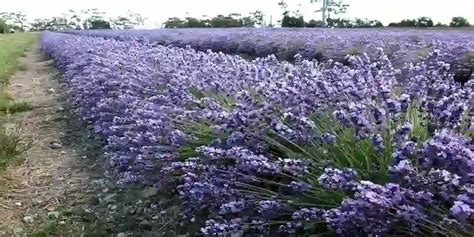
28, 219
53, 214
55, 145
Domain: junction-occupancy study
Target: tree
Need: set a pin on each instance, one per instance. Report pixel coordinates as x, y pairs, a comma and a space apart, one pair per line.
338, 23
314, 23
38, 24
193, 22
420, 22
378, 24
4, 27
290, 21
15, 19
76, 19
364, 23
248, 21
89, 15
174, 22
424, 22
122, 22
408, 23
235, 15
283, 5
439, 24
225, 21
359, 23
99, 24
336, 7
459, 22
136, 18
57, 23
258, 17
393, 24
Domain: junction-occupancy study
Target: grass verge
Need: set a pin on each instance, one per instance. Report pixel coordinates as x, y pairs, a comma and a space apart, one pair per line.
12, 47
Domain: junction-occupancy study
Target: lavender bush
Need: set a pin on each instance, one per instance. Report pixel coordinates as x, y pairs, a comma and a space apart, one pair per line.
360, 147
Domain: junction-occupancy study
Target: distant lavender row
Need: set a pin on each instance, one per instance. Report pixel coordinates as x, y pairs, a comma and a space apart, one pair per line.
399, 45
272, 147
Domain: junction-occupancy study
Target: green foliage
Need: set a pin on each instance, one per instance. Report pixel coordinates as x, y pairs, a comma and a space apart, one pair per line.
16, 20
4, 28
226, 21
428, 22
439, 24
404, 23
194, 22
314, 23
14, 107
99, 24
70, 222
345, 23
337, 7
55, 23
136, 18
292, 21
219, 21
345, 151
201, 133
338, 22
424, 22
175, 22
13, 46
257, 16
10, 146
122, 23
365, 23
459, 22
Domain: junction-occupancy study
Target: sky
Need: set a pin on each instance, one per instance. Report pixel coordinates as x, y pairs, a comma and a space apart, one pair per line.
157, 11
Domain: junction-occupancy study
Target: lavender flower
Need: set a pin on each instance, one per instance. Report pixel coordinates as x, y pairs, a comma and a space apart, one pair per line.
338, 179
223, 228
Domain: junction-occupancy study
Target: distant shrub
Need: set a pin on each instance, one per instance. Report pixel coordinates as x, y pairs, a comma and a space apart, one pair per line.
424, 22
10, 146
314, 23
292, 21
3, 27
99, 24
459, 22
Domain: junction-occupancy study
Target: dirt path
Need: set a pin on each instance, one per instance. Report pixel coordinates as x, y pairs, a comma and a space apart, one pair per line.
64, 186
49, 175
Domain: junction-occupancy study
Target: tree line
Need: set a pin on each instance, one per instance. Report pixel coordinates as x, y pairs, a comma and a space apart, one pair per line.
95, 19
219, 21
295, 19
91, 18
337, 7
235, 20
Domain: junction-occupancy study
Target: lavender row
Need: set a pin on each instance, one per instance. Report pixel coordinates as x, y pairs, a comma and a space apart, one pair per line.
322, 44
272, 147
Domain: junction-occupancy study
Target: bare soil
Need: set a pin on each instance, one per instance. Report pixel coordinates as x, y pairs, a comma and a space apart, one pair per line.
50, 174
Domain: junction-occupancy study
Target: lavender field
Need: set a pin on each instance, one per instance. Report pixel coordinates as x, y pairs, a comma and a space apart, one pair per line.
279, 132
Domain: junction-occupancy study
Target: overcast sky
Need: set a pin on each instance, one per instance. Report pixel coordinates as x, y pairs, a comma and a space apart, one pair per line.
159, 10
